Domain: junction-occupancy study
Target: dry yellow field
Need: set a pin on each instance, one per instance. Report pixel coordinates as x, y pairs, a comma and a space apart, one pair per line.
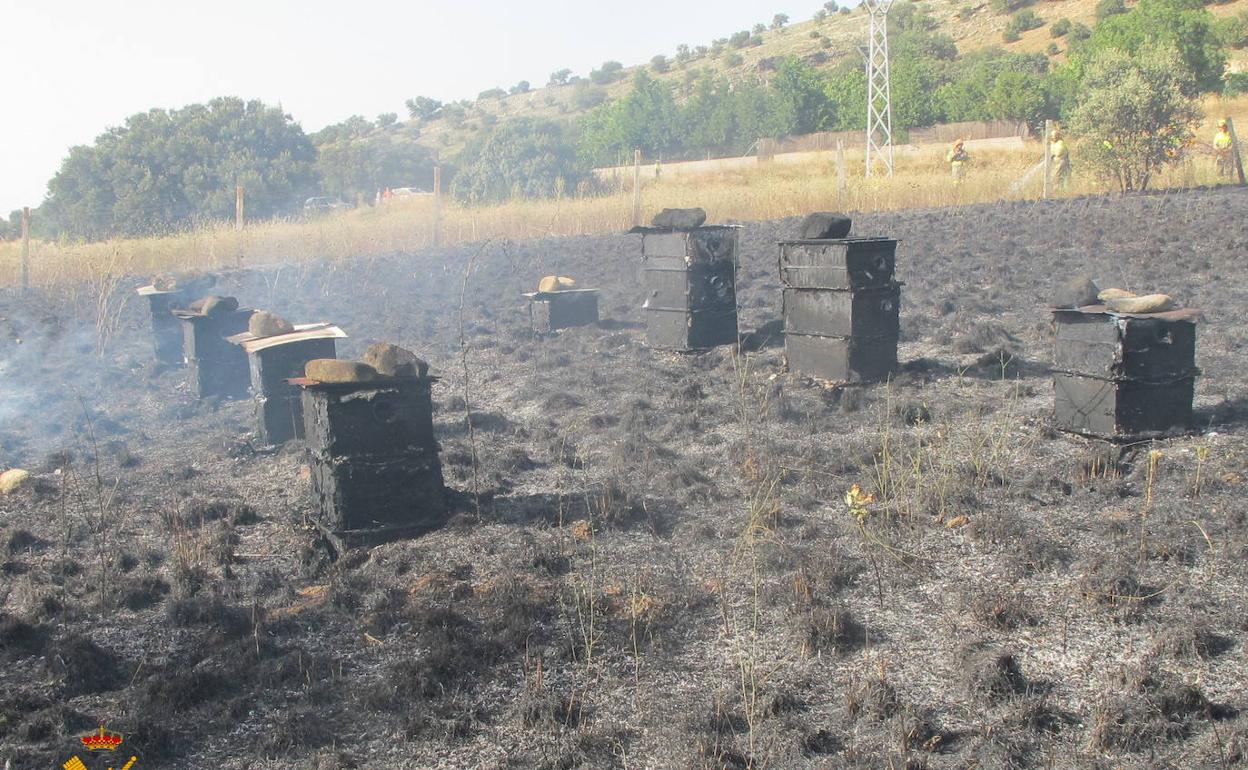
768, 191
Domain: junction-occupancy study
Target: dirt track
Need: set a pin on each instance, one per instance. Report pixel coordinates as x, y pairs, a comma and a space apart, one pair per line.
724, 609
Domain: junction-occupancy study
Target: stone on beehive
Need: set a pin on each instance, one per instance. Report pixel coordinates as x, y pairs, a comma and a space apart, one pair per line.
1079, 291
680, 219
823, 225
332, 370
265, 324
393, 361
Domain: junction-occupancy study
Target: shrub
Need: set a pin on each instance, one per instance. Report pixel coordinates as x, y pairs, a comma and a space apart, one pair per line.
1053, 50
609, 72
759, 28
734, 59
523, 87
660, 63
779, 21
1079, 32
1021, 22
1107, 8
821, 14
1009, 6
831, 6
1233, 30
1236, 84
1060, 28
493, 93
739, 39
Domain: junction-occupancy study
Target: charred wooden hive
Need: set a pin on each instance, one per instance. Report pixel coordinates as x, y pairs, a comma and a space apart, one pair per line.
216, 367
554, 310
166, 328
841, 308
690, 283
274, 362
1124, 377
374, 458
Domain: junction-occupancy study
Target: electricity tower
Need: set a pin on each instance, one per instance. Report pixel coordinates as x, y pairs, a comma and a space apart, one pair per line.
879, 94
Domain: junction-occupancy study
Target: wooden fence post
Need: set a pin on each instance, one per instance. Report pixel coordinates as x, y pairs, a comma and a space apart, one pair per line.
637, 188
437, 205
1048, 160
25, 248
842, 183
238, 207
1235, 154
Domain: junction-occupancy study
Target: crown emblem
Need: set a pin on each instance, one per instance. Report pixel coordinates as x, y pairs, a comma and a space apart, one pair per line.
101, 740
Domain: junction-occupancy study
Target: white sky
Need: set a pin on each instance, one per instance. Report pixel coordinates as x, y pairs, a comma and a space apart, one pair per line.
70, 69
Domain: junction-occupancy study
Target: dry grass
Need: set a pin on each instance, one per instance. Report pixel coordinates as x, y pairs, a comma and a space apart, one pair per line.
768, 191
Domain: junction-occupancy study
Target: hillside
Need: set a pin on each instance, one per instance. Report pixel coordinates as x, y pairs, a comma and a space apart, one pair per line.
820, 43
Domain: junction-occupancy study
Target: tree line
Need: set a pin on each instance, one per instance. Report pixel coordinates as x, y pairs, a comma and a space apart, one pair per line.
165, 170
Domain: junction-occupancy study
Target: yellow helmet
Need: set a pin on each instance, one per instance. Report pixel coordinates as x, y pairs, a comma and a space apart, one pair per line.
1222, 123
1056, 134
959, 142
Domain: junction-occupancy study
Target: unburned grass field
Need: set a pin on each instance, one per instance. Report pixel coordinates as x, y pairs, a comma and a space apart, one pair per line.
656, 566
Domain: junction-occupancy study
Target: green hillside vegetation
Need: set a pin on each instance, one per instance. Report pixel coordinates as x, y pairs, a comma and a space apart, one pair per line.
165, 171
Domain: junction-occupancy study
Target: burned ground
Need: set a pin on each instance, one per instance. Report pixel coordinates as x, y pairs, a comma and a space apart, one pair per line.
651, 562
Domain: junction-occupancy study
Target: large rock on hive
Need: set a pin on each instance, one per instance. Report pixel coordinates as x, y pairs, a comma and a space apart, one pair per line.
1079, 291
555, 283
214, 305
265, 324
680, 219
333, 370
1149, 303
393, 361
824, 224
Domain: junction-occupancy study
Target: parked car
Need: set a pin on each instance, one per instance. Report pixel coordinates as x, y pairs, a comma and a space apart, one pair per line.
322, 204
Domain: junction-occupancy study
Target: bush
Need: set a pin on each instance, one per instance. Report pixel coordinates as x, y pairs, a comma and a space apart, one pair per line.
1060, 28
779, 21
739, 39
660, 63
522, 158
1236, 84
493, 93
1053, 50
734, 59
1079, 32
1009, 6
1021, 22
760, 28
586, 96
1107, 8
1233, 30
609, 72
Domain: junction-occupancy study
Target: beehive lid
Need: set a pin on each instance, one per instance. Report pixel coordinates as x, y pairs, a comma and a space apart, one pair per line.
546, 295
149, 291
317, 331
846, 240
1183, 314
380, 383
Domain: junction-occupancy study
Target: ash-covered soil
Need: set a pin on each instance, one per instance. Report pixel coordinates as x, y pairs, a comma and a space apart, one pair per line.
655, 565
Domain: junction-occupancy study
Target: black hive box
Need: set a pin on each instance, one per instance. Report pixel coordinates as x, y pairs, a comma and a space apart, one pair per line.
843, 263
842, 308
216, 366
689, 278
553, 310
274, 361
374, 458
166, 328
1124, 377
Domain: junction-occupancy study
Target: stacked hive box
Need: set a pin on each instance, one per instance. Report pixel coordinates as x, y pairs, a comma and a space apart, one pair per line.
841, 308
551, 311
690, 282
166, 331
374, 458
1124, 377
217, 367
274, 361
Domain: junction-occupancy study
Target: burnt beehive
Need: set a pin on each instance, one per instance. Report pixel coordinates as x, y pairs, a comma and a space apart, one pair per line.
553, 310
844, 263
166, 328
689, 277
373, 457
274, 362
842, 308
216, 367
1124, 377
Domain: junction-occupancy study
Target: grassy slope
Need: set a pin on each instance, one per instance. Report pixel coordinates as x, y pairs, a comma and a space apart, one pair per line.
982, 28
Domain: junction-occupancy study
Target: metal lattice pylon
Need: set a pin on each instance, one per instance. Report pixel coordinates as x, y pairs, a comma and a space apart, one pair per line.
879, 94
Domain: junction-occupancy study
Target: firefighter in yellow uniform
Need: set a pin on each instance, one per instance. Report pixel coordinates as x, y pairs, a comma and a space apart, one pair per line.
1222, 146
958, 157
1059, 154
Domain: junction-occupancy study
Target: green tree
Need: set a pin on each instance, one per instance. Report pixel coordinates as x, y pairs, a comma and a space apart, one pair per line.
1184, 25
166, 169
646, 118
801, 98
609, 72
361, 167
423, 107
559, 78
520, 158
1134, 112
